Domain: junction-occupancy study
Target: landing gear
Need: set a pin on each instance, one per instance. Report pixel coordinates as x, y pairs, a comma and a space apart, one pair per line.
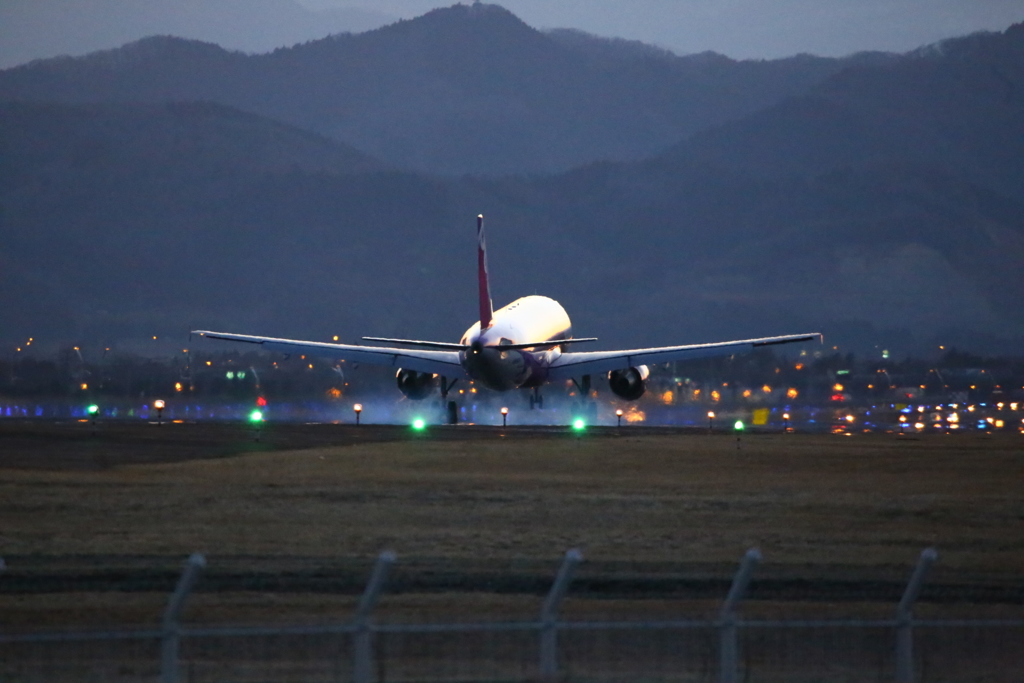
583, 386
536, 400
451, 407
586, 407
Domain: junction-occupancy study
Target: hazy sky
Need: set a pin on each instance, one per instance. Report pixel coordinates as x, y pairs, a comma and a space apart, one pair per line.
31, 29
754, 28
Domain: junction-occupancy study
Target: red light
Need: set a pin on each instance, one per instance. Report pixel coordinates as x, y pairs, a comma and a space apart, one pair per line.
261, 402
838, 397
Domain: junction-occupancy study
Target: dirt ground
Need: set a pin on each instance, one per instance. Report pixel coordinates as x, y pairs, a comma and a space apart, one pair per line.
95, 528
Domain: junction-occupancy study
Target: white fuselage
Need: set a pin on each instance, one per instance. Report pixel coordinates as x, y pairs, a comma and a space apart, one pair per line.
525, 320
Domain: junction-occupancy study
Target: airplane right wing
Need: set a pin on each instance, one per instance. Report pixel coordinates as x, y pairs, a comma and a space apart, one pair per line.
575, 364
444, 363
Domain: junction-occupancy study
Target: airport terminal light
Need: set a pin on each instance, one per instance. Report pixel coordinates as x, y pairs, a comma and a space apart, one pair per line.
618, 416
358, 408
159, 405
785, 422
711, 420
504, 416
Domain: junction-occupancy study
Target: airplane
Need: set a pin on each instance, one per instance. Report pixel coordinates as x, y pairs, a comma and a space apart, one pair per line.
520, 346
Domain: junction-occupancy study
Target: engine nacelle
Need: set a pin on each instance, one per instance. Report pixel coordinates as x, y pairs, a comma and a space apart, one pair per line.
628, 383
415, 385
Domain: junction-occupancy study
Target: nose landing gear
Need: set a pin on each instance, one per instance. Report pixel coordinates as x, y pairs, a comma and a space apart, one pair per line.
536, 400
451, 407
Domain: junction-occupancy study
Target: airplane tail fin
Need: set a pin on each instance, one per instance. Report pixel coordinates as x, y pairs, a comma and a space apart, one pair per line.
486, 308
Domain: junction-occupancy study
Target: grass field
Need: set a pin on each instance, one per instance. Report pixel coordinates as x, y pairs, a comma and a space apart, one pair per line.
480, 522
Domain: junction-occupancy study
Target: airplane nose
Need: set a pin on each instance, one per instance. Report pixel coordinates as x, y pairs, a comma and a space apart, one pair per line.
476, 347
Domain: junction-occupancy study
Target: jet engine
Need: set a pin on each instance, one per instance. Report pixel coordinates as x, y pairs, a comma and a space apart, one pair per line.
628, 383
415, 385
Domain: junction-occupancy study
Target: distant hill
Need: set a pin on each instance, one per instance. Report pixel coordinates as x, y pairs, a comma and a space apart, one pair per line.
466, 89
122, 218
39, 29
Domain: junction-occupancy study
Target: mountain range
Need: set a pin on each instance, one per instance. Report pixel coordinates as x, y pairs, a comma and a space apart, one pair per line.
171, 184
464, 89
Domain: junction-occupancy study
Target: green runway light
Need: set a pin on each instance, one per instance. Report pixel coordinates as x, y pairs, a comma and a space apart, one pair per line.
419, 424
738, 426
93, 409
256, 416
578, 424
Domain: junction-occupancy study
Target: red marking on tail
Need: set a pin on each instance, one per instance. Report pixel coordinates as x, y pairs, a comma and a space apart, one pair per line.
486, 308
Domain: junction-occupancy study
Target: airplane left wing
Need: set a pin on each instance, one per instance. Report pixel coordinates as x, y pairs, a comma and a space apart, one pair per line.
444, 363
575, 364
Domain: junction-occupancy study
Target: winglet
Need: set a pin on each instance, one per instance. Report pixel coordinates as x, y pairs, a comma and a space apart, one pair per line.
486, 308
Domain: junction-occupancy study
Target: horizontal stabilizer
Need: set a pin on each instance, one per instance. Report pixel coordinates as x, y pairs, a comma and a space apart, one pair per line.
544, 344
447, 346
461, 347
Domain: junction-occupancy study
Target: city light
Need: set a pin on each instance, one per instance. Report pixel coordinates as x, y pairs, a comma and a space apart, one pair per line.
159, 404
256, 416
578, 424
419, 424
739, 426
93, 409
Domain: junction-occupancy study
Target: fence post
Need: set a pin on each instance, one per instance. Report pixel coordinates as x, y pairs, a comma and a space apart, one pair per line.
904, 617
549, 615
170, 641
728, 647
363, 636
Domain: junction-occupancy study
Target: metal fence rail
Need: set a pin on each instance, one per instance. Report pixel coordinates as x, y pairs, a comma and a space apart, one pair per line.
727, 648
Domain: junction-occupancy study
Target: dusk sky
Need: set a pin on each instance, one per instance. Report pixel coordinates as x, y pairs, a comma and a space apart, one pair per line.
32, 29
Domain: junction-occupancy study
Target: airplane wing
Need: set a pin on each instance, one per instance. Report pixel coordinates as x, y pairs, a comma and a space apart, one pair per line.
444, 363
576, 364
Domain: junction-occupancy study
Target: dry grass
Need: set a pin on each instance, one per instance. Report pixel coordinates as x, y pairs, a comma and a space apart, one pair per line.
676, 506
